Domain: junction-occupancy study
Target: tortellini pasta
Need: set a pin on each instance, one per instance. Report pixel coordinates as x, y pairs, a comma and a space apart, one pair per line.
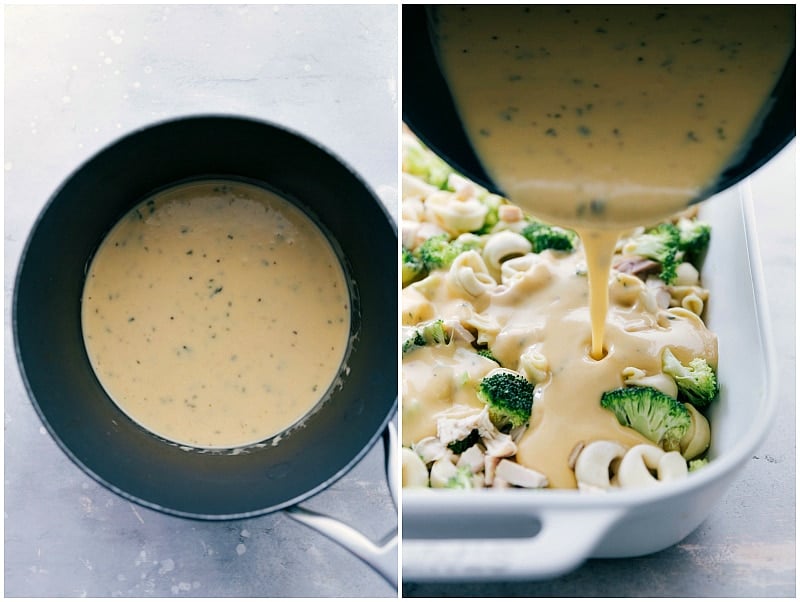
503, 246
453, 214
469, 275
534, 365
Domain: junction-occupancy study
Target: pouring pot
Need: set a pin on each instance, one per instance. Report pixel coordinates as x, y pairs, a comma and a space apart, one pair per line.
102, 440
429, 111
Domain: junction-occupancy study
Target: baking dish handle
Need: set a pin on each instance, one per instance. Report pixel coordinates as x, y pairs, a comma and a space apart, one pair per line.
380, 555
566, 539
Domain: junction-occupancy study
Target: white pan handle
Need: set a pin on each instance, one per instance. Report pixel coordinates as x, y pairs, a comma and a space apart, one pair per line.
381, 555
567, 537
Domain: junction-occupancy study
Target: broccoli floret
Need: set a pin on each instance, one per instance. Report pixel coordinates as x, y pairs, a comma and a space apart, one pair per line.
463, 479
420, 161
432, 333
413, 268
543, 236
697, 464
459, 447
650, 412
509, 396
487, 353
438, 252
694, 238
660, 243
696, 382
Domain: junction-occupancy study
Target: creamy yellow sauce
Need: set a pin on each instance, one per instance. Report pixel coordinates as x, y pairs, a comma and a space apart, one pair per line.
610, 116
599, 119
216, 314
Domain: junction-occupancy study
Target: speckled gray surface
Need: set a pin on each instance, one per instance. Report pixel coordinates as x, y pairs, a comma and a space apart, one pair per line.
78, 77
747, 546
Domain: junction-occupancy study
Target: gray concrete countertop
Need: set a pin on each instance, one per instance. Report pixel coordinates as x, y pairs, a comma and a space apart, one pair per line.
77, 78
747, 547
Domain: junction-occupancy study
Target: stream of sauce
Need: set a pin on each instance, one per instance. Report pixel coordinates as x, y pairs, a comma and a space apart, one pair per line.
216, 314
603, 118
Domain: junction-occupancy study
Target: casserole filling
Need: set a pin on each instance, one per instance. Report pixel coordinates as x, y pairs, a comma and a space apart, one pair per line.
498, 384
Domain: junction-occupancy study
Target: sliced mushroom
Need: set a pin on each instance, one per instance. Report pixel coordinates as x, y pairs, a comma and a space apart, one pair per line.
519, 475
573, 455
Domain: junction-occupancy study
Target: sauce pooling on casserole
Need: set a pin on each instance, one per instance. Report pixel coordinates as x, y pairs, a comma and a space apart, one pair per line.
541, 304
216, 314
601, 118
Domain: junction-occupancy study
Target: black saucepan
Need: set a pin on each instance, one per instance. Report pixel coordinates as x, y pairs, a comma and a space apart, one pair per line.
429, 110
90, 428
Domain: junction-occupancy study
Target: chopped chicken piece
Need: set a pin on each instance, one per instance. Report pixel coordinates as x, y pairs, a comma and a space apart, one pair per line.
455, 428
472, 458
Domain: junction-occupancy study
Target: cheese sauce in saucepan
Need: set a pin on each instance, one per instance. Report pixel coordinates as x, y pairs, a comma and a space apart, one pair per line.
600, 119
216, 314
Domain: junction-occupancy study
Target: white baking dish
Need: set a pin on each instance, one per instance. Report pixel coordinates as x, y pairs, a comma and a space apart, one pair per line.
519, 534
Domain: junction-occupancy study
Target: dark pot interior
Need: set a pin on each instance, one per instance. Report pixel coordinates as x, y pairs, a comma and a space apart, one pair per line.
68, 397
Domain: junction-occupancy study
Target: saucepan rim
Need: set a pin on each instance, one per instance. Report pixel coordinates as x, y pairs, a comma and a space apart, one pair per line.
369, 443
